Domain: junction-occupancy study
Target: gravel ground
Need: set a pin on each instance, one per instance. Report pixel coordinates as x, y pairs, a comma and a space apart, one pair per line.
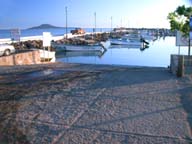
91, 104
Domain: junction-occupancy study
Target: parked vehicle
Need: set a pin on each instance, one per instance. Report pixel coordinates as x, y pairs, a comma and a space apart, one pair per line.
6, 49
78, 31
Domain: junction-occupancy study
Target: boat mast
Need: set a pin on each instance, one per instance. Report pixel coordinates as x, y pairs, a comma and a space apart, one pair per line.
66, 21
111, 23
95, 23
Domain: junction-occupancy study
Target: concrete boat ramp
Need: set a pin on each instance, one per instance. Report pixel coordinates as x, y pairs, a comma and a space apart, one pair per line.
72, 103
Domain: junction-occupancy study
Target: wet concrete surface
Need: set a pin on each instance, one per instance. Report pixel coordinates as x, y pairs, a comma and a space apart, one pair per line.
73, 103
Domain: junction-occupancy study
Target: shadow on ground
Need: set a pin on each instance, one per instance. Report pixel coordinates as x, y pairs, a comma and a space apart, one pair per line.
186, 100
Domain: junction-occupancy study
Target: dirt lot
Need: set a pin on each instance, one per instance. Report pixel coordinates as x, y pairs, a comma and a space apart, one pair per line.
72, 103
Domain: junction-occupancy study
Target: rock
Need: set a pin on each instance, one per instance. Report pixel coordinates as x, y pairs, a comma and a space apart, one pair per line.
30, 44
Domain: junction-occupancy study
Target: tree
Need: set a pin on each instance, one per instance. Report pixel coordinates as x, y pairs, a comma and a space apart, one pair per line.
179, 20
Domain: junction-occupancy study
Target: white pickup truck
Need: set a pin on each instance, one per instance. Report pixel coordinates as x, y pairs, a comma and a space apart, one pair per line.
6, 49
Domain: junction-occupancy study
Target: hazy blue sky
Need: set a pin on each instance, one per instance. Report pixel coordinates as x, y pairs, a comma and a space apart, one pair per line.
127, 13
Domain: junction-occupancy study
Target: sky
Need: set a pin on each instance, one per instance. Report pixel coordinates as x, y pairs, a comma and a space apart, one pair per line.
118, 13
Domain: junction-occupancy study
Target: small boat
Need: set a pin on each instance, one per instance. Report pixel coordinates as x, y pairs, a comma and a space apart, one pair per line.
148, 36
130, 40
125, 41
88, 47
139, 47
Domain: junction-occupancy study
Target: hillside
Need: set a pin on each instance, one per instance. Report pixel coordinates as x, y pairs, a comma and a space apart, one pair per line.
44, 26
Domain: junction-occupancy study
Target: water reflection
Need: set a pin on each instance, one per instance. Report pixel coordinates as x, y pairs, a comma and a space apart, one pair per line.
157, 54
68, 54
141, 48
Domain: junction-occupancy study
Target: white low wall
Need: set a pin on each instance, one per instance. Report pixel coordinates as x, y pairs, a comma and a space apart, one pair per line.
40, 37
8, 40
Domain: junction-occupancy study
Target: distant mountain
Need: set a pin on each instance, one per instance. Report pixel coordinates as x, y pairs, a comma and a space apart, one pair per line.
44, 26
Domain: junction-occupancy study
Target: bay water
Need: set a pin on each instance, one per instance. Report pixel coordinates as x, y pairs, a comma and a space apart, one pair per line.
156, 55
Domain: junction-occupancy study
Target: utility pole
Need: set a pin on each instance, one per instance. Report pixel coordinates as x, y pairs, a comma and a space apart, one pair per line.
66, 21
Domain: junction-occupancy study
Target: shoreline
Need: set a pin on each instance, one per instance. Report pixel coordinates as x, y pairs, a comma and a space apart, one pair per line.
57, 63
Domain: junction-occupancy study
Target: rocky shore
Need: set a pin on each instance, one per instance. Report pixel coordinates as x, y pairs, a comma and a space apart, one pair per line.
76, 40
76, 103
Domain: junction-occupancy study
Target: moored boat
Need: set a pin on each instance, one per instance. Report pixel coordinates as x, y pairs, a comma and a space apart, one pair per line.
82, 47
148, 35
125, 41
90, 47
129, 40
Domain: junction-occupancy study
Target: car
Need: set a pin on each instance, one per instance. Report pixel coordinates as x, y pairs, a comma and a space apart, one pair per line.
78, 31
6, 49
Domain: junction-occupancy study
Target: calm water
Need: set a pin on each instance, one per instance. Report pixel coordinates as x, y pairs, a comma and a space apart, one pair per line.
157, 55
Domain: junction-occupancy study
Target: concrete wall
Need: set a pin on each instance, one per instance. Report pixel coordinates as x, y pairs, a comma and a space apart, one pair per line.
187, 64
181, 65
26, 58
174, 64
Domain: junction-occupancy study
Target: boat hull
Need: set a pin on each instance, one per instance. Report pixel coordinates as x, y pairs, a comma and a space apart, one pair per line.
64, 47
83, 48
94, 47
128, 43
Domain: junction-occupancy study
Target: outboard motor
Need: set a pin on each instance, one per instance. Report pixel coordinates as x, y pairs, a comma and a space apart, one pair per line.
144, 41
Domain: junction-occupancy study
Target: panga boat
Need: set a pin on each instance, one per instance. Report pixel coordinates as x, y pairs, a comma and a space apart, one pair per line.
125, 41
148, 36
129, 41
88, 47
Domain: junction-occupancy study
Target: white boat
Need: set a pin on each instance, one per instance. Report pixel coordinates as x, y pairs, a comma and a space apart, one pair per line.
125, 41
148, 35
134, 40
106, 44
90, 47
46, 55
